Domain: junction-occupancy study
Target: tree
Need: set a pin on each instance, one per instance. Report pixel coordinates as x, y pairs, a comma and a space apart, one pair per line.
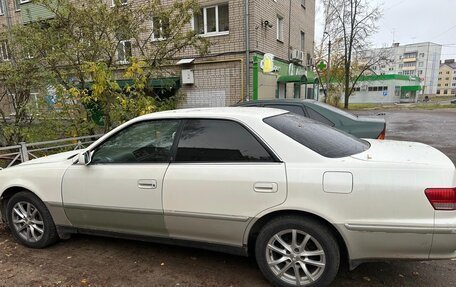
87, 45
351, 23
20, 77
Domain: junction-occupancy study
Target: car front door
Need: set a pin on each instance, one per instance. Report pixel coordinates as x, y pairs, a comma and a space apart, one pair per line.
222, 177
121, 189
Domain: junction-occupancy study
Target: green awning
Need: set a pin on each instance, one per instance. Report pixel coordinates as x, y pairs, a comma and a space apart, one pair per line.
302, 79
411, 88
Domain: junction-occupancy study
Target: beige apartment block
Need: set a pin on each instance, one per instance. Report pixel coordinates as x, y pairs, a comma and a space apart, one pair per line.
447, 78
234, 69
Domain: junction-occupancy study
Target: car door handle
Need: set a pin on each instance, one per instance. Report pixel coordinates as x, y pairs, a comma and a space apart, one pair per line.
265, 187
147, 184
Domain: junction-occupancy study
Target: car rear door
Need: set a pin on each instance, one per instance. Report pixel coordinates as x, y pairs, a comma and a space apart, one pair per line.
121, 189
222, 177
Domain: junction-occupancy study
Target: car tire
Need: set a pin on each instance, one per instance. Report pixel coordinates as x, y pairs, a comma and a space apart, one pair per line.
30, 221
304, 247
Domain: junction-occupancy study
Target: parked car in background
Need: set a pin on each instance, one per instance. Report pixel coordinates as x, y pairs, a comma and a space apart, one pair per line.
294, 193
361, 127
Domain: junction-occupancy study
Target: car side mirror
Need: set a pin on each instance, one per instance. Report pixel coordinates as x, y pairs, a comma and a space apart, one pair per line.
84, 158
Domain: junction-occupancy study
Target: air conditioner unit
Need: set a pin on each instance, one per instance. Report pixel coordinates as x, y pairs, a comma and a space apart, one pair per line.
296, 55
310, 60
302, 56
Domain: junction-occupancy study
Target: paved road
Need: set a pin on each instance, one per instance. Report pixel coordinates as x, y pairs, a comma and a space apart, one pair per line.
97, 261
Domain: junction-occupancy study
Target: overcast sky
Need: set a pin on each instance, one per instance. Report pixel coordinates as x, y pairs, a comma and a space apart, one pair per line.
411, 21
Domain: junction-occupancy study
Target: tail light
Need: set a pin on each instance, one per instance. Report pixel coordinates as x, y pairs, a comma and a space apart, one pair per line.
442, 198
382, 135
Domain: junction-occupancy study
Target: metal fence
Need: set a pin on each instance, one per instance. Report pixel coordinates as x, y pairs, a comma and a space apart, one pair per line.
12, 155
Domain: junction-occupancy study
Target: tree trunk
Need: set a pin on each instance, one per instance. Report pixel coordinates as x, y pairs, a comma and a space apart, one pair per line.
346, 86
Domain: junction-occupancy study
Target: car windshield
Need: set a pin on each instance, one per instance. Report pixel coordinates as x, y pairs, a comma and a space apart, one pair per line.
336, 110
318, 137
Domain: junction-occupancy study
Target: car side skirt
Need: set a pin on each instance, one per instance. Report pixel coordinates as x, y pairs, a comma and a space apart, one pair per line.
234, 250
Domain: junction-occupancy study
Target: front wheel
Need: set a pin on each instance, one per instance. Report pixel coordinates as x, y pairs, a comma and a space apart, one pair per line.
297, 251
30, 221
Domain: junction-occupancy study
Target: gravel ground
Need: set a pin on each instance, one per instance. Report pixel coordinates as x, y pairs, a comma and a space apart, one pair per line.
97, 261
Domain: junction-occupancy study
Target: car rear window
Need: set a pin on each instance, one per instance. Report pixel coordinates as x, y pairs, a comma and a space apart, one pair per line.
318, 137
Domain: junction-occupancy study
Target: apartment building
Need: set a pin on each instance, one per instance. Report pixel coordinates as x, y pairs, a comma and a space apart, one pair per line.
247, 37
447, 78
420, 60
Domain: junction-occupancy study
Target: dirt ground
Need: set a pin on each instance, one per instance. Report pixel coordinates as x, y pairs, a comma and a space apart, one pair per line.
98, 261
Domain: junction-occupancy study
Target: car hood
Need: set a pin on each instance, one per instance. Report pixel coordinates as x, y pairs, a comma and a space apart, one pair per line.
52, 158
404, 153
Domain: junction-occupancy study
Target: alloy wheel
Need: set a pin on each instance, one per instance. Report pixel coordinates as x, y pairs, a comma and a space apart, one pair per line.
27, 221
295, 257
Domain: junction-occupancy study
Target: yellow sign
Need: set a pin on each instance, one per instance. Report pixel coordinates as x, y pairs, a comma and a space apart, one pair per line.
267, 64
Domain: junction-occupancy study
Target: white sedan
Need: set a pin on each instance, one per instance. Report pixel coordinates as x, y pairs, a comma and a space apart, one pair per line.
298, 195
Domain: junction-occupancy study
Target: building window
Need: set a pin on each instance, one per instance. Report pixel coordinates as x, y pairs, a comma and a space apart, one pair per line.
303, 41
420, 64
445, 92
124, 51
17, 4
121, 2
280, 28
213, 20
422, 55
5, 51
438, 92
159, 28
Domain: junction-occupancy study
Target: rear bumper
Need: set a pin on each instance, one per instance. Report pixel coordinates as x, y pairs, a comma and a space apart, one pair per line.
444, 239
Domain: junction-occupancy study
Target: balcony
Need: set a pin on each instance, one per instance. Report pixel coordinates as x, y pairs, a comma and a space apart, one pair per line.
31, 12
408, 60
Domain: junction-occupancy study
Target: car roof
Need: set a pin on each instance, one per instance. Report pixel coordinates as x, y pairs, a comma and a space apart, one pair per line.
222, 112
278, 101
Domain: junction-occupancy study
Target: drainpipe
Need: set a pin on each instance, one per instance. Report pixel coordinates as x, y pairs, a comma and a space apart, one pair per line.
289, 32
247, 52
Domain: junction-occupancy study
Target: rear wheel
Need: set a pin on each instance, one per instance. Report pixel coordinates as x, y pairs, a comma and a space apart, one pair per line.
297, 251
30, 221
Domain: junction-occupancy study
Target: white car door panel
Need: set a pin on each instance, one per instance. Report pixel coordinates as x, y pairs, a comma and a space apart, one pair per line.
121, 189
222, 177
214, 202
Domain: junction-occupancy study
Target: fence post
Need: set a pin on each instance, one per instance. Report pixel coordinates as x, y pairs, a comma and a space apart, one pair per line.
24, 152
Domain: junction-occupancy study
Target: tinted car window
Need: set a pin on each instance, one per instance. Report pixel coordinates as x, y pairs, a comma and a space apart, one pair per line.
145, 142
291, 108
219, 141
318, 137
318, 117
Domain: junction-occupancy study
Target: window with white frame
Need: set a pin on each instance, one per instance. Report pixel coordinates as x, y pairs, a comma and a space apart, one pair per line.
279, 28
120, 2
159, 28
5, 51
2, 11
124, 51
17, 4
212, 20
